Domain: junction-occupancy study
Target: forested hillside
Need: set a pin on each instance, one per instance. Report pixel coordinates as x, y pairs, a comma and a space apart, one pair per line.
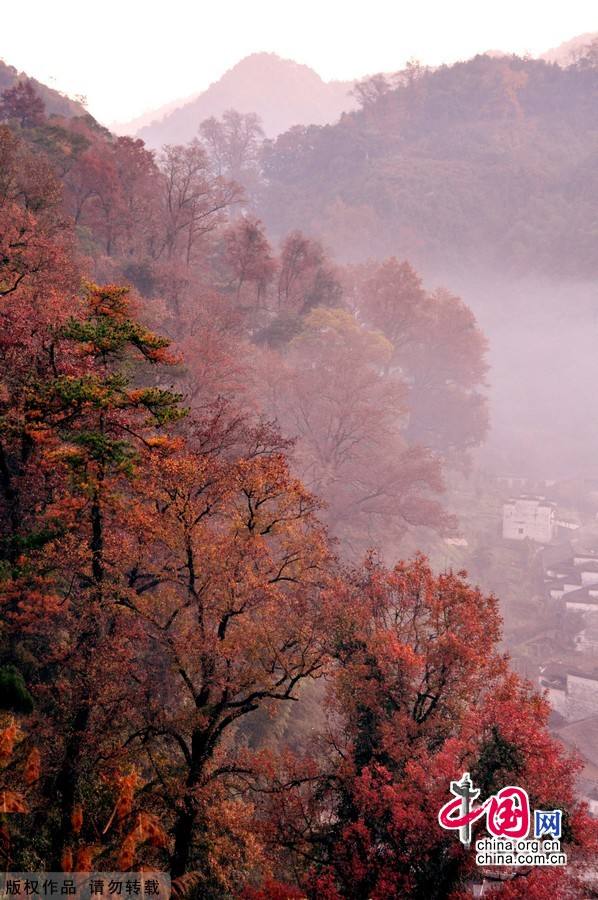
55, 102
213, 445
489, 163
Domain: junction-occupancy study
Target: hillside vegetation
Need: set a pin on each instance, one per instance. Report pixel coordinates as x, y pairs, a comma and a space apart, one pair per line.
490, 162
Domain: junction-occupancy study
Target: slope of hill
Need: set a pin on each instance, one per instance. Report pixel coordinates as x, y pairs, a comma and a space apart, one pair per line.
151, 116
283, 93
490, 162
55, 102
571, 50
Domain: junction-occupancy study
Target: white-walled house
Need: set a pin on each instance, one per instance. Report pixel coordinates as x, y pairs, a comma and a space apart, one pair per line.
584, 599
529, 517
573, 693
586, 641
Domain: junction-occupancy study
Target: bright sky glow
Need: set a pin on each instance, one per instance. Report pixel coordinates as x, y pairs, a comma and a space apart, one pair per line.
129, 56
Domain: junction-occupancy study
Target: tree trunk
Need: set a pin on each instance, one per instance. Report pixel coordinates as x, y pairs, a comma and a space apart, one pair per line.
67, 782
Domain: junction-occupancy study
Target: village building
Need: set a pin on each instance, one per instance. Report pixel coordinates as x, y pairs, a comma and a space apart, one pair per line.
582, 737
586, 641
529, 517
583, 599
572, 692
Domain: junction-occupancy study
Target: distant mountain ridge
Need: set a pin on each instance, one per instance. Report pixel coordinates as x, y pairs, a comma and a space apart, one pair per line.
150, 116
282, 93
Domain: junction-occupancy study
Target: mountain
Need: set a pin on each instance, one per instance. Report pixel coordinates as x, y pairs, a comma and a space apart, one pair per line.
132, 126
491, 162
283, 93
571, 50
56, 103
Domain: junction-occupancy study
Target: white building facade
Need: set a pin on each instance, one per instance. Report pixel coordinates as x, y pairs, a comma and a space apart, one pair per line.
532, 518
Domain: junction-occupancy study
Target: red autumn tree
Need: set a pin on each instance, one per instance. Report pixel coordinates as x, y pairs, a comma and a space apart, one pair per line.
391, 297
438, 349
248, 259
420, 695
305, 279
194, 198
21, 103
139, 183
20, 770
34, 239
36, 274
447, 370
233, 144
112, 189
221, 373
331, 392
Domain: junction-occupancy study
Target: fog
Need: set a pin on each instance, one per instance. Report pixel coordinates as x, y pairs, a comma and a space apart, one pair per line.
543, 371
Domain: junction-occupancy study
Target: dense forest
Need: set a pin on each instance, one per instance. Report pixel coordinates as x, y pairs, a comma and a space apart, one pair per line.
480, 165
214, 438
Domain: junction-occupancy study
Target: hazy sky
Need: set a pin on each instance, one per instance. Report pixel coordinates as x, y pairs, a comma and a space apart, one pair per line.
128, 56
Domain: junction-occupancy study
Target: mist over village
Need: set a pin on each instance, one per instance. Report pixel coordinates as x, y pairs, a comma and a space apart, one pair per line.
299, 451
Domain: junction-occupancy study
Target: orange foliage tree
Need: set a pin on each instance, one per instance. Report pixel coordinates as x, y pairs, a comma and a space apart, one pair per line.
226, 576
